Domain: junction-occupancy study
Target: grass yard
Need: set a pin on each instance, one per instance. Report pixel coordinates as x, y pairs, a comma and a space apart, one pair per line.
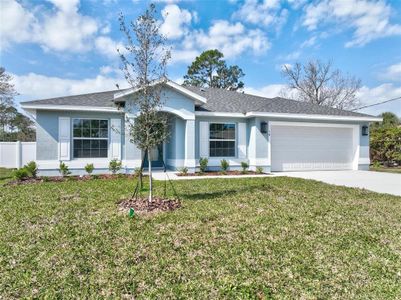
233, 239
5, 174
386, 169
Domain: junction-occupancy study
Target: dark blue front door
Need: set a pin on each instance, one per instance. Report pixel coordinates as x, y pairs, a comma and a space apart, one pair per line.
157, 157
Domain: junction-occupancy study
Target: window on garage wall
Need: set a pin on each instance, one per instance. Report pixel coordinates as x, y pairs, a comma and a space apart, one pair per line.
222, 139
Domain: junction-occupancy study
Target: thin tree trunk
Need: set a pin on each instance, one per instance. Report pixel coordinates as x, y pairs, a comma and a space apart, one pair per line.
150, 176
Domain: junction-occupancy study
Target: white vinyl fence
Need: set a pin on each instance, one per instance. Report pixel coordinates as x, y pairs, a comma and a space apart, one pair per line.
16, 154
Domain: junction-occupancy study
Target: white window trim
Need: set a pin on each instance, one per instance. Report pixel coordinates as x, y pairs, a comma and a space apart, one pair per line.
219, 140
90, 138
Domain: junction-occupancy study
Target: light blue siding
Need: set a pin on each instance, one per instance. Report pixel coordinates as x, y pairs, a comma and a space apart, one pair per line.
47, 130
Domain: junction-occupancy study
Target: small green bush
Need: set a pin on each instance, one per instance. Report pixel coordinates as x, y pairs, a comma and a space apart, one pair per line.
115, 165
89, 169
376, 164
183, 171
45, 179
244, 166
32, 168
203, 161
137, 172
21, 174
224, 164
259, 170
63, 169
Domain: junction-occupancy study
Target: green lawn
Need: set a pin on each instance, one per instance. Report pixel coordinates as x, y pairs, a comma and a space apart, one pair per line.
385, 169
5, 174
233, 239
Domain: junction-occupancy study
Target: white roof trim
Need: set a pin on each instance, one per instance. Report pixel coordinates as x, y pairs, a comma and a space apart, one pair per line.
171, 84
313, 117
289, 116
69, 108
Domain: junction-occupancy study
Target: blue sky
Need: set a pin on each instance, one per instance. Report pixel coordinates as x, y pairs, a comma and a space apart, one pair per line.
63, 47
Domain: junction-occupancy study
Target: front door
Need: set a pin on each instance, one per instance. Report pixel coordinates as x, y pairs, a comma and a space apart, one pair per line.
156, 157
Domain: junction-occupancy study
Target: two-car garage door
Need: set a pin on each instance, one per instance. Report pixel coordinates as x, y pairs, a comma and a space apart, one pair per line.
302, 148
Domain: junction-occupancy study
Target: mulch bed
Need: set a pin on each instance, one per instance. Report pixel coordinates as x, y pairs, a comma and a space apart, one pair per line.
211, 173
141, 205
68, 178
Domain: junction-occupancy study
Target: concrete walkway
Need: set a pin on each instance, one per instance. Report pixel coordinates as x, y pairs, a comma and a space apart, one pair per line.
380, 182
389, 183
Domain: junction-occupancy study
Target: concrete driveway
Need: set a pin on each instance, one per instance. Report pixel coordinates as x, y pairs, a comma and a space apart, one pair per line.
380, 182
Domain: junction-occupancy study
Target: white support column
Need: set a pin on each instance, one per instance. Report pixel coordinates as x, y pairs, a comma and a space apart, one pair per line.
190, 145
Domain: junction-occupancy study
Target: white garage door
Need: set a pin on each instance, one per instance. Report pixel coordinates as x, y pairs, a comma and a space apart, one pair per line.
302, 148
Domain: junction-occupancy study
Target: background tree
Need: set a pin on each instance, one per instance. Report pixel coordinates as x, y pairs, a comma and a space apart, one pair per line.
317, 82
144, 66
210, 70
385, 140
14, 125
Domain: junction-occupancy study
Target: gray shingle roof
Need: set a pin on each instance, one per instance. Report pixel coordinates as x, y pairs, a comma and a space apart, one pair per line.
100, 99
230, 101
218, 100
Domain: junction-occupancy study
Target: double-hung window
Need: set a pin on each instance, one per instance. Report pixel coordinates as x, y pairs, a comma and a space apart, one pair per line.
221, 139
90, 138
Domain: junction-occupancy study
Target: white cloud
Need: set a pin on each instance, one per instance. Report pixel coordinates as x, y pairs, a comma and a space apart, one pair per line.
16, 23
61, 29
67, 30
264, 13
36, 86
232, 39
392, 73
175, 21
369, 20
380, 93
268, 91
108, 46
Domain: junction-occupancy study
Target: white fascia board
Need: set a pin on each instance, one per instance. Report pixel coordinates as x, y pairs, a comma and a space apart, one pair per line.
289, 116
173, 85
314, 117
219, 114
70, 108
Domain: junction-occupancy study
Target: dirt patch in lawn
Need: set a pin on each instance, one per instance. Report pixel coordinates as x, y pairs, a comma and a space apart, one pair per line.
220, 173
142, 206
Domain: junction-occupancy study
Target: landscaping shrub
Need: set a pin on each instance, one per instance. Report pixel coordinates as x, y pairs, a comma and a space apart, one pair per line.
45, 179
31, 168
183, 171
259, 170
21, 174
244, 166
224, 165
203, 161
63, 169
89, 169
115, 166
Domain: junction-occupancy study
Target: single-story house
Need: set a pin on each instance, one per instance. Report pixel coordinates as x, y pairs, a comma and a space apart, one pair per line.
276, 134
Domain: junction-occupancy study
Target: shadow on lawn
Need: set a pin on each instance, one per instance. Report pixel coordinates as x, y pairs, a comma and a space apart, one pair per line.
228, 192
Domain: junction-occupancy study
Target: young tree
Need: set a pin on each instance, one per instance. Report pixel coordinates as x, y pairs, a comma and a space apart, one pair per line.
210, 70
317, 82
144, 61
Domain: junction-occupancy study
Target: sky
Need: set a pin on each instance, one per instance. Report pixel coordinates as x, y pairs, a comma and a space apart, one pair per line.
65, 47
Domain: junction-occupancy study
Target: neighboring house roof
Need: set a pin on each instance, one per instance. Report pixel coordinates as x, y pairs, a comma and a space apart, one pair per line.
217, 100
